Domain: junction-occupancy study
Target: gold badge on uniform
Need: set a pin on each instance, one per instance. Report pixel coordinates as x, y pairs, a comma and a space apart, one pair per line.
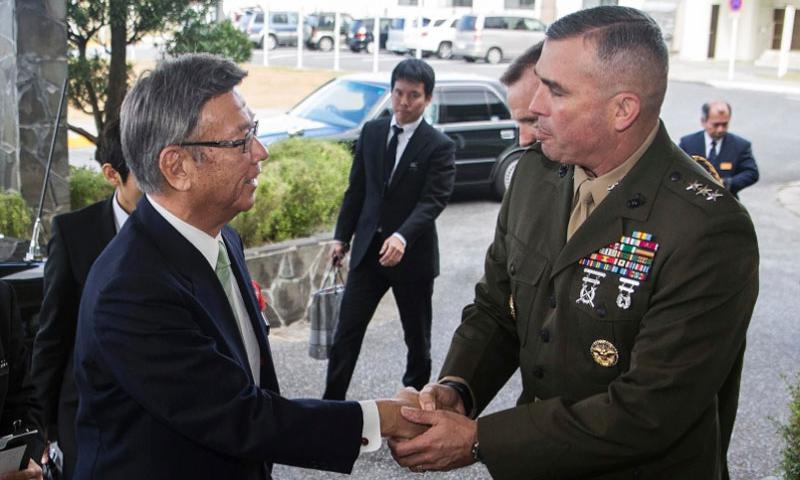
726, 166
604, 353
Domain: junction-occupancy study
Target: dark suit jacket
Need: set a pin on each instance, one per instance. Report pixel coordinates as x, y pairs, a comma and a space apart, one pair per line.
735, 155
419, 190
76, 241
162, 375
16, 391
653, 413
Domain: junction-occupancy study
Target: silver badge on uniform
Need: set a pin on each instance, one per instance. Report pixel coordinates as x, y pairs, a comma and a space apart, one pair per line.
589, 287
626, 288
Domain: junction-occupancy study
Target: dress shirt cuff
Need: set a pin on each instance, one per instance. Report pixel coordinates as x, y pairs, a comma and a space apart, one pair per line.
402, 238
371, 431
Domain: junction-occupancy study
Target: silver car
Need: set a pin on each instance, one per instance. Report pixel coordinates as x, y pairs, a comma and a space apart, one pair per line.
495, 38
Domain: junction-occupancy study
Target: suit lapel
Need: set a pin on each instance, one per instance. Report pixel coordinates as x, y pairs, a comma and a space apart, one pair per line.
415, 144
380, 144
257, 320
631, 199
184, 258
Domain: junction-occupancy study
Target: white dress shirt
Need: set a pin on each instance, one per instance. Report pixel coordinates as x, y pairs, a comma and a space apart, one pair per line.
208, 247
120, 215
402, 142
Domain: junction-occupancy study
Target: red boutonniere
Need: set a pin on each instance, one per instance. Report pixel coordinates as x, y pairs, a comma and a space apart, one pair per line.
262, 302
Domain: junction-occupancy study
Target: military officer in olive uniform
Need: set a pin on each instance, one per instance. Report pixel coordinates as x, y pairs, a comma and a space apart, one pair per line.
620, 281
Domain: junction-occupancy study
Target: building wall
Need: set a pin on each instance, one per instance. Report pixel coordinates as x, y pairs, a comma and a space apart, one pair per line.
9, 133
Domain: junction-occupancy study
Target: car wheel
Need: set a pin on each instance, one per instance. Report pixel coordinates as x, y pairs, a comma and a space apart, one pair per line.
370, 47
469, 59
325, 44
272, 42
505, 172
445, 50
355, 49
494, 56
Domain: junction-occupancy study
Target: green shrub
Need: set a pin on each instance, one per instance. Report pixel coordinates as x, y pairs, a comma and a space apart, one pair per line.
299, 191
790, 461
198, 35
15, 216
87, 186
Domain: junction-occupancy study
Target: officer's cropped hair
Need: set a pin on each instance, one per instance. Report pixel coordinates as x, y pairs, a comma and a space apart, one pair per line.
163, 109
520, 64
629, 45
415, 70
109, 149
706, 108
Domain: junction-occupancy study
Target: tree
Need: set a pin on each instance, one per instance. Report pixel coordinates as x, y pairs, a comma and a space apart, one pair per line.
98, 80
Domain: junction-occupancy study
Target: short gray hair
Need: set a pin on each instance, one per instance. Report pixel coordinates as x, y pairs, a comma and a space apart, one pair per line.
163, 108
629, 45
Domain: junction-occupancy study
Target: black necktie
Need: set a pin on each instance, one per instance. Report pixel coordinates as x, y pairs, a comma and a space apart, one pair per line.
712, 154
391, 153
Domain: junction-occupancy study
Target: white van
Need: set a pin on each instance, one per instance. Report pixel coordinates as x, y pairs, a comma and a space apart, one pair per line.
495, 38
401, 31
437, 38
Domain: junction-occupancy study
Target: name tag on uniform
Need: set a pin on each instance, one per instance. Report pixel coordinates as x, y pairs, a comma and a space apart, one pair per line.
726, 166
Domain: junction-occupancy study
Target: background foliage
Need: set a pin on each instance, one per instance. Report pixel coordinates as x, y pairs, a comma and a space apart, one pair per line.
15, 216
87, 186
790, 461
299, 191
196, 35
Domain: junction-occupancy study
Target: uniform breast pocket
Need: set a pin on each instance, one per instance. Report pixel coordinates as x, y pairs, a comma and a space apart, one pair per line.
607, 316
525, 268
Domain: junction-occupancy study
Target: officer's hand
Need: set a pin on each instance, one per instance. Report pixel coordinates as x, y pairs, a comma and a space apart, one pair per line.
446, 445
33, 472
436, 396
391, 252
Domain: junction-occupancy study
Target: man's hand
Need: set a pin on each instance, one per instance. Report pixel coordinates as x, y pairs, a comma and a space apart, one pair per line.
446, 445
391, 252
338, 251
33, 472
436, 396
392, 423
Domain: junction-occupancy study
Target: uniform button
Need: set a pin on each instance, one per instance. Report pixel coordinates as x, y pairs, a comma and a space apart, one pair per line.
512, 269
552, 300
562, 170
544, 334
538, 372
675, 176
600, 310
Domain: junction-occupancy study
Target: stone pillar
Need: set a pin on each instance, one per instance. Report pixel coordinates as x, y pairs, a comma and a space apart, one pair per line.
33, 65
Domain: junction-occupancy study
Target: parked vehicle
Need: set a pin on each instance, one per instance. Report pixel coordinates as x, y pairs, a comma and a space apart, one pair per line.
401, 31
495, 38
282, 29
437, 38
360, 36
469, 109
318, 30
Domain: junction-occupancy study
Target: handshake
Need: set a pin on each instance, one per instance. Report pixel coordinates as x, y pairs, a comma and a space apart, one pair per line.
429, 430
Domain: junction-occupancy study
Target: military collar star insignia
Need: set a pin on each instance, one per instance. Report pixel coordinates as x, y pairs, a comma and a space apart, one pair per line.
694, 186
705, 190
713, 196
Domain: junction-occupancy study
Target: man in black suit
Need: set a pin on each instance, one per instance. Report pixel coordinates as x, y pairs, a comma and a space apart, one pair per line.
173, 366
16, 392
730, 154
401, 179
76, 241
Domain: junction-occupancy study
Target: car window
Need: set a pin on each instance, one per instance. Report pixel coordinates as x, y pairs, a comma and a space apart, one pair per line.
398, 23
518, 23
341, 103
495, 23
439, 22
454, 24
467, 23
433, 110
536, 25
463, 105
497, 108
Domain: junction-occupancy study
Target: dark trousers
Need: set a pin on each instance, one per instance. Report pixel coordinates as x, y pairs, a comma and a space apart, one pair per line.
366, 285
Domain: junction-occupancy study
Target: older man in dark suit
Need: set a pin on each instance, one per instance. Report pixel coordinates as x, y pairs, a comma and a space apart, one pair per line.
76, 241
731, 155
402, 176
172, 362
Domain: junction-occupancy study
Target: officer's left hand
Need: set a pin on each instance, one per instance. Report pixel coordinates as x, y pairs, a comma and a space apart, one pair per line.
446, 445
391, 252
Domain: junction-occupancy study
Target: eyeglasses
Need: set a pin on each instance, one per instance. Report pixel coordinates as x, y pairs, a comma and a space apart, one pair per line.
245, 142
